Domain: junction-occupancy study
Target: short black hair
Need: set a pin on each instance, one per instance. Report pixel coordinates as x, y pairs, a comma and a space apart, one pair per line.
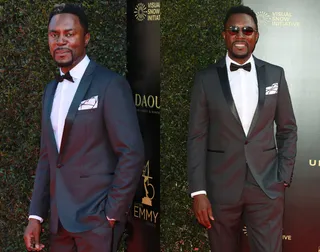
71, 8
240, 9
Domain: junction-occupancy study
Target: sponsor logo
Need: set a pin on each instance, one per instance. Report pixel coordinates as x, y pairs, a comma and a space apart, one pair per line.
149, 12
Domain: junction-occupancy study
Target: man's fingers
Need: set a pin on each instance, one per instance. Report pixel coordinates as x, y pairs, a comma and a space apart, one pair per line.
210, 213
28, 241
32, 236
205, 219
37, 241
198, 216
202, 210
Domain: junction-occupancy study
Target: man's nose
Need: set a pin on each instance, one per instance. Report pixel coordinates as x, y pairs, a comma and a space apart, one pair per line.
240, 34
60, 40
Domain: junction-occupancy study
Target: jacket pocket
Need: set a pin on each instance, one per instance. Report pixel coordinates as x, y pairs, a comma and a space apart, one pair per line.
216, 151
273, 148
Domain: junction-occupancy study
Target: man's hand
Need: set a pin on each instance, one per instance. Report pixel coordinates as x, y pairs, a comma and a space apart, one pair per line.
32, 236
202, 210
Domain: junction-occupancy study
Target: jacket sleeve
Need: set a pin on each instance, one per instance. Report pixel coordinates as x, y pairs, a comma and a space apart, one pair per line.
40, 200
124, 133
286, 131
197, 138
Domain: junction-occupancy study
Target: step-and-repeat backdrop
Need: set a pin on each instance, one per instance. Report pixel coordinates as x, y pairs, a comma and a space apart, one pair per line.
290, 37
144, 76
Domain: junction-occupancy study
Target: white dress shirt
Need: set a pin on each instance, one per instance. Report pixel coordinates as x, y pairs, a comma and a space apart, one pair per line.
61, 103
63, 97
245, 93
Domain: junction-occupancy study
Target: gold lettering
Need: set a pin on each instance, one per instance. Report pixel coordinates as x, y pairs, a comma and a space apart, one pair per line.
153, 11
145, 214
155, 217
149, 101
153, 17
144, 102
148, 215
312, 162
142, 212
154, 5
281, 14
137, 100
276, 23
157, 104
281, 19
286, 237
135, 211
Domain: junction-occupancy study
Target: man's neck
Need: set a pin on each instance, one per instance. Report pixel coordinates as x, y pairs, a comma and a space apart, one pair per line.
68, 68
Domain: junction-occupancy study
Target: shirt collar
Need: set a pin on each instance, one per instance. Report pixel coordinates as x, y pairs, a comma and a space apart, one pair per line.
78, 71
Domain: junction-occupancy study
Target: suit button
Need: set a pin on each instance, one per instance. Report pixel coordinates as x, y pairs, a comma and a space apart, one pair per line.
246, 142
59, 166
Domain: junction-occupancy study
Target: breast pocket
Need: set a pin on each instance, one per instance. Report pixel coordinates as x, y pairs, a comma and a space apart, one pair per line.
270, 104
86, 111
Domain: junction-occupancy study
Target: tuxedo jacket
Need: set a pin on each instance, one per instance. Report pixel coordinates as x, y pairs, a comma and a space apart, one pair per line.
219, 151
98, 167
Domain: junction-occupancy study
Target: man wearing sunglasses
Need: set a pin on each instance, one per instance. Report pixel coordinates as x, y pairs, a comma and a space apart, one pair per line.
239, 164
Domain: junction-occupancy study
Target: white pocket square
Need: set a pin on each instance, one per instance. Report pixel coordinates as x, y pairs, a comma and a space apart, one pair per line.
91, 103
273, 89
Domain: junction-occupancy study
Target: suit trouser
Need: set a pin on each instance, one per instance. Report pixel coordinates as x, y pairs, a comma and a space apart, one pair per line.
262, 216
99, 239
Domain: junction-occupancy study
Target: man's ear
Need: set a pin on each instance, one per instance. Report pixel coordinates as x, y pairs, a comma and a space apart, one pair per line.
223, 34
257, 36
87, 39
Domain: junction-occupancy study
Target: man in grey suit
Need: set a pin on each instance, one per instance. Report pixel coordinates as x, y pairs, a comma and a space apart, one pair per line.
238, 167
92, 154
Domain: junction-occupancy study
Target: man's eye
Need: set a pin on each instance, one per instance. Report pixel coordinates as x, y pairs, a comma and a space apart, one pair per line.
53, 35
69, 34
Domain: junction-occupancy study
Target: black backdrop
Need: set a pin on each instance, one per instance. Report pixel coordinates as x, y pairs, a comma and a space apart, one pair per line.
144, 76
289, 37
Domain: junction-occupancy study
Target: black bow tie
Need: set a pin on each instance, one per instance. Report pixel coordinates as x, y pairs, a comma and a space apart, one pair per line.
234, 67
67, 76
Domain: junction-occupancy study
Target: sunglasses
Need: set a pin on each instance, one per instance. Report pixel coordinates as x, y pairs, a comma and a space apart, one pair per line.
246, 30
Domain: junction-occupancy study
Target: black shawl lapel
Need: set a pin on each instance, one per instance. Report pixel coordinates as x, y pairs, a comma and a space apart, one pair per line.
225, 86
261, 76
48, 102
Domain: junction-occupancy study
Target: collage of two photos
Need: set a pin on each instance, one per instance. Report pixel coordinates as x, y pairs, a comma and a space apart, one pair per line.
148, 125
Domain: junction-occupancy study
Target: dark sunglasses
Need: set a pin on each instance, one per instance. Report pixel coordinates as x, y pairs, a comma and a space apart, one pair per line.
246, 30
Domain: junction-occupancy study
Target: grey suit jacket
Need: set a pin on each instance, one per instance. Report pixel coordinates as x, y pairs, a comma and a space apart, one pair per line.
101, 157
218, 149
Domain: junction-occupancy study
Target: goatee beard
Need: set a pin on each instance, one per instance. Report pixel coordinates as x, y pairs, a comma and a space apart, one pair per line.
64, 64
237, 56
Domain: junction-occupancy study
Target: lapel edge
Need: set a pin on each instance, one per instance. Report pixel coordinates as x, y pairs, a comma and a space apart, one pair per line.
225, 86
261, 78
78, 96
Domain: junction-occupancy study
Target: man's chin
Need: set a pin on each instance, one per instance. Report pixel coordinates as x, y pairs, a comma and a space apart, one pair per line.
64, 64
240, 56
